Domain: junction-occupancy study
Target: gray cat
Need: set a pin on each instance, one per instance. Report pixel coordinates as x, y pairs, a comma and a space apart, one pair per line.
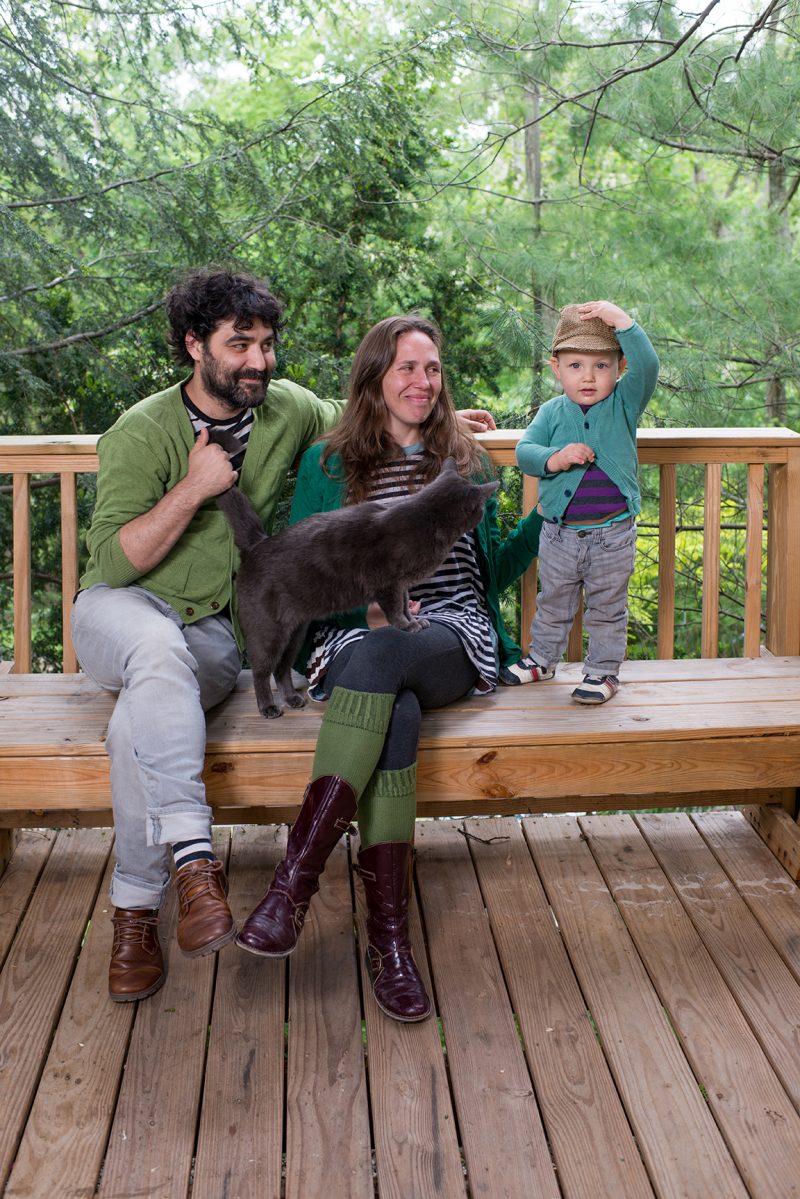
337, 561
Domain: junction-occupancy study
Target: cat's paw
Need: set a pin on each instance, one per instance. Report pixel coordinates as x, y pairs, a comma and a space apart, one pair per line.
417, 624
270, 711
295, 700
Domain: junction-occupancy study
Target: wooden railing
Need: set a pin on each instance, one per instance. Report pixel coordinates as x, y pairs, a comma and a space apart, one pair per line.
774, 451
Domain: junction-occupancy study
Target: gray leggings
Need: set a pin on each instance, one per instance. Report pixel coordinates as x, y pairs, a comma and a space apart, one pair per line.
424, 670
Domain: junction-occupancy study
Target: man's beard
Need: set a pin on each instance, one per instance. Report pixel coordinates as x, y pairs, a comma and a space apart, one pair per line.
226, 387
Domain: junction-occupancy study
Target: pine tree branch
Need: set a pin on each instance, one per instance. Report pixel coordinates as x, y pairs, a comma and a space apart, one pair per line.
89, 335
71, 86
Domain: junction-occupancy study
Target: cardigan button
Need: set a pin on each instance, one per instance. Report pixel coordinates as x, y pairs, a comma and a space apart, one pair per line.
214, 605
190, 611
567, 491
586, 424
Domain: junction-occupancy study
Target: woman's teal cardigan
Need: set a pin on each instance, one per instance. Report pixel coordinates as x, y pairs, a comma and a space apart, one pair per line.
501, 562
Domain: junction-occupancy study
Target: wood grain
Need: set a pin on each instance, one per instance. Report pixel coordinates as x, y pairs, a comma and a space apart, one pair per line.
588, 1131
768, 890
680, 1144
753, 1111
241, 1124
61, 1152
328, 1148
37, 972
152, 1139
413, 1122
504, 1143
758, 978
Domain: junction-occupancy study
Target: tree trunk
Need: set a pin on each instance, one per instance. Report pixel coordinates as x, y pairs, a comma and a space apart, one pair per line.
533, 176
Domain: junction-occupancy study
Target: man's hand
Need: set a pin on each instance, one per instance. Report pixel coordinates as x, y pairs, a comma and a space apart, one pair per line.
147, 539
574, 454
608, 312
209, 470
477, 420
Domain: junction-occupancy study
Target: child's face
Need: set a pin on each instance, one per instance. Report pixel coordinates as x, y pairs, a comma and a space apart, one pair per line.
587, 378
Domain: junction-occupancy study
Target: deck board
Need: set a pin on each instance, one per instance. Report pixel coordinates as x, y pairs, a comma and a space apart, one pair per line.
679, 1141
758, 978
629, 1050
746, 1098
589, 1134
241, 1130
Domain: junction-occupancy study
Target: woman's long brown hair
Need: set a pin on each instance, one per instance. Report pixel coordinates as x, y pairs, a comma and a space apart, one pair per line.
361, 440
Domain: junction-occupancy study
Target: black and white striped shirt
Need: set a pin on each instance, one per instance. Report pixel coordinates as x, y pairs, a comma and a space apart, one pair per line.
239, 425
454, 596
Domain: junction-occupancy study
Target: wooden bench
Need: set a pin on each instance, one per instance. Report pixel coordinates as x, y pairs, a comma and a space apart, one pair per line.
698, 732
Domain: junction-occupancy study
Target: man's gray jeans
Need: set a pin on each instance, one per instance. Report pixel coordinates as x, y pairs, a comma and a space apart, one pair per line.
167, 674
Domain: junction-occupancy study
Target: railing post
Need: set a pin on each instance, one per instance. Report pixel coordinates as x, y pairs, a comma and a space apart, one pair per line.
783, 548
21, 522
69, 565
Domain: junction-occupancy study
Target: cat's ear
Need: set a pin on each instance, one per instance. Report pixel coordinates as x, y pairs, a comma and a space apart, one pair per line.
488, 488
449, 466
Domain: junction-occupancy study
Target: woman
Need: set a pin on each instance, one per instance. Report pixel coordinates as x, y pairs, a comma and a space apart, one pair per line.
398, 427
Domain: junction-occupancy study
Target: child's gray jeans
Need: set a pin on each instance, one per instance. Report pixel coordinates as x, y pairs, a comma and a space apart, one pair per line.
601, 561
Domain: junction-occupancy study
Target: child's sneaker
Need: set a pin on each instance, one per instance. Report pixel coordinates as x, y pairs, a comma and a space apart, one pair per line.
596, 690
527, 670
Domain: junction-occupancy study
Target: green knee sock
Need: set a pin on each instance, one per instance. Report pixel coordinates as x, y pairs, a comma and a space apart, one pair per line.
388, 807
351, 736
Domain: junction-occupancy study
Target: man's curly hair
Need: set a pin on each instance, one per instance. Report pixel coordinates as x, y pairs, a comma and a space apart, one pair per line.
205, 298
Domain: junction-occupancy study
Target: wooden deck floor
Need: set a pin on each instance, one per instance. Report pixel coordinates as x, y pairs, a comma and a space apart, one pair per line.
619, 1016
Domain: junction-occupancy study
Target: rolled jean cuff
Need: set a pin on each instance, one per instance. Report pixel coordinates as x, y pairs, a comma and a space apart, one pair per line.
191, 824
128, 892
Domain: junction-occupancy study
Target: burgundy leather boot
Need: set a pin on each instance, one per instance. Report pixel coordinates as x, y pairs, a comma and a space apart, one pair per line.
399, 991
274, 925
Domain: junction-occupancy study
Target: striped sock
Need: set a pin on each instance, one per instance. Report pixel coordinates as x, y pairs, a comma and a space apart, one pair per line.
197, 850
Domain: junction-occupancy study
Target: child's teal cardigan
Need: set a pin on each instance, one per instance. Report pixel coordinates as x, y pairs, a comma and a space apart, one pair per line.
609, 427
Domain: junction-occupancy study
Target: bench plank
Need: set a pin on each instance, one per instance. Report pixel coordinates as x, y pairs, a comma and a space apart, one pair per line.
758, 978
678, 1139
753, 1111
587, 1128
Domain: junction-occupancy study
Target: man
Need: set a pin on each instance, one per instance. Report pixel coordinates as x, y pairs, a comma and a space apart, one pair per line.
155, 619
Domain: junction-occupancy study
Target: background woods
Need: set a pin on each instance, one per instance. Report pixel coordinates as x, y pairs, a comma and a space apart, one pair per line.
485, 163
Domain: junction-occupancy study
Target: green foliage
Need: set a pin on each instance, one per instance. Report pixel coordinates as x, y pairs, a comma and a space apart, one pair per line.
484, 163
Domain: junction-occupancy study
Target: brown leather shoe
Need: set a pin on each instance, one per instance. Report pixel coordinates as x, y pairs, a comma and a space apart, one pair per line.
205, 923
137, 967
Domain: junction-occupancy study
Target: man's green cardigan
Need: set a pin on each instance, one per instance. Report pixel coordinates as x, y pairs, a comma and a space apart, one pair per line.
145, 453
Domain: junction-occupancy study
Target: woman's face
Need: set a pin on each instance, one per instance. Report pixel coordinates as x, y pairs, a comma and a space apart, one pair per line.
411, 386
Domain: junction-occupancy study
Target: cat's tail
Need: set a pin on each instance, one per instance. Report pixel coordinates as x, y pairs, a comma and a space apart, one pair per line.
248, 530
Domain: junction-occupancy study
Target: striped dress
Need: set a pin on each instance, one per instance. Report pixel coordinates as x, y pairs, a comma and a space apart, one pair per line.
454, 596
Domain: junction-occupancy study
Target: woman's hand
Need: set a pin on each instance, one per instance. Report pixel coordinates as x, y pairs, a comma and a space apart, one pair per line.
376, 617
477, 420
